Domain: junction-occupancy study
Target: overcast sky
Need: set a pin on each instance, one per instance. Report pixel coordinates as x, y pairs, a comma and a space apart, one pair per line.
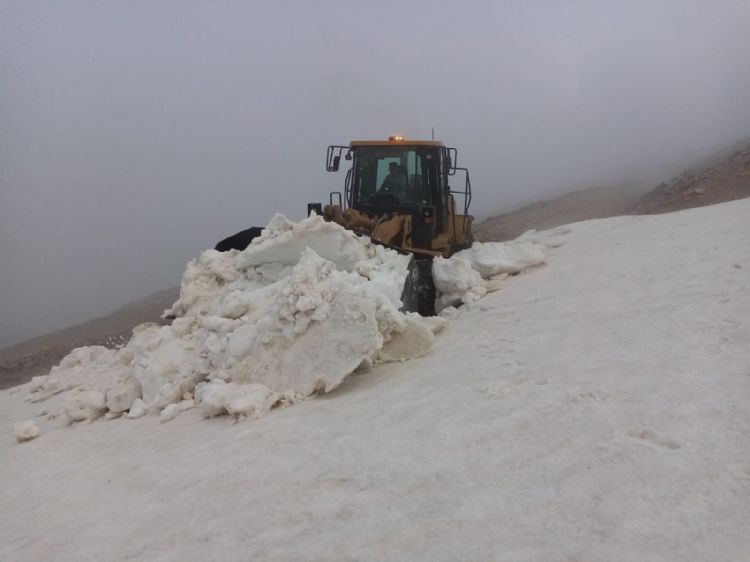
135, 134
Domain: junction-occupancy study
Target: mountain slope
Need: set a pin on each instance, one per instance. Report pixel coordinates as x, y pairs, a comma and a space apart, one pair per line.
593, 203
723, 177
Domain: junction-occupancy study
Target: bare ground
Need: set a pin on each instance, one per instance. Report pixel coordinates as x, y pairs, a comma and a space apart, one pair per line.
724, 177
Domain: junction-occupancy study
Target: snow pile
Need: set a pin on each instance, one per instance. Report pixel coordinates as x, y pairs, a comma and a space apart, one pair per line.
295, 313
469, 274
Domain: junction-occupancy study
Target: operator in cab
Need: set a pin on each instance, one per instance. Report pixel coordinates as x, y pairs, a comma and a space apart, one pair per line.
395, 182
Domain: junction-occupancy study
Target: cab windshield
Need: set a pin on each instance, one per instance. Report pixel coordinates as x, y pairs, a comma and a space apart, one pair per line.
393, 175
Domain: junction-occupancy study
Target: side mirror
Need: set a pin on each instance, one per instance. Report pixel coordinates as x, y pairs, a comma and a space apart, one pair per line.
336, 162
448, 163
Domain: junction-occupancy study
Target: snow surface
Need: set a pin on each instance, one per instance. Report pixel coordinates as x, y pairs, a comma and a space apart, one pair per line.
595, 408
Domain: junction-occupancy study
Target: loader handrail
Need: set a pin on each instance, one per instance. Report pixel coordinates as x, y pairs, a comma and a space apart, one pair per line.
466, 192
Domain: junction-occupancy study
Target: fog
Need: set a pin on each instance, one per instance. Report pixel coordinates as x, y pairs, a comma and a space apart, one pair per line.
135, 134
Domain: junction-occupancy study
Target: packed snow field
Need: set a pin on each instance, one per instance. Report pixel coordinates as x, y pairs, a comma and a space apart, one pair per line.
594, 407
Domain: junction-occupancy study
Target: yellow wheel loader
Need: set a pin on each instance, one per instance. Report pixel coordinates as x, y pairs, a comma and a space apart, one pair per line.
397, 192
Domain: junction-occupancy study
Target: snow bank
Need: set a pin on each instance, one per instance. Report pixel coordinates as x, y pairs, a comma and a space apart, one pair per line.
293, 314
464, 277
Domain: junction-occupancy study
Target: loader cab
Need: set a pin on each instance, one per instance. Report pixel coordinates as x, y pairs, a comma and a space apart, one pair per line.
394, 176
404, 177
401, 178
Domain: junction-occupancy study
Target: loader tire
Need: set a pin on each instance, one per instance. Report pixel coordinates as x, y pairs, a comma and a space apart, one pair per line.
410, 294
427, 291
419, 290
